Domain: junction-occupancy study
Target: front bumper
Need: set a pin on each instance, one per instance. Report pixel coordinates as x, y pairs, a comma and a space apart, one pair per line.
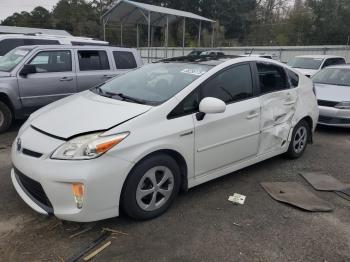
331, 116
103, 179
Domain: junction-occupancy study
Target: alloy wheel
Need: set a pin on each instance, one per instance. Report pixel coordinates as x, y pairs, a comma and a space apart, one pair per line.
300, 139
155, 188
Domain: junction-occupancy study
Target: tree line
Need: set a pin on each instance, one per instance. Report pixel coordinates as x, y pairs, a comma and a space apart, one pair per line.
239, 22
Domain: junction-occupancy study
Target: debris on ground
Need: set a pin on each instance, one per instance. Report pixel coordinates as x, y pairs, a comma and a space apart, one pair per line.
89, 247
81, 232
297, 195
324, 182
237, 199
237, 225
97, 251
113, 231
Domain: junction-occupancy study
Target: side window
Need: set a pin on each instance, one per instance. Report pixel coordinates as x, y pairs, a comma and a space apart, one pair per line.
124, 60
272, 78
293, 78
187, 106
52, 61
7, 45
231, 85
333, 61
93, 60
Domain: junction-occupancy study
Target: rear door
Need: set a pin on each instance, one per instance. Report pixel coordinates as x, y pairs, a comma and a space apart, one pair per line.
225, 138
55, 79
93, 67
278, 98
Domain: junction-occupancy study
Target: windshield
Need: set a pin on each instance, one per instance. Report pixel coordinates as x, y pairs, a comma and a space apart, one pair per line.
333, 76
306, 63
152, 84
12, 59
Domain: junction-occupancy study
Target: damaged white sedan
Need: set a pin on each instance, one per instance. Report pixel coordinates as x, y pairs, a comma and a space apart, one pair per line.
132, 143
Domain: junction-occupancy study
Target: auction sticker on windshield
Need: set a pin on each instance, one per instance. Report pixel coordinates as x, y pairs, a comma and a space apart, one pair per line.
196, 72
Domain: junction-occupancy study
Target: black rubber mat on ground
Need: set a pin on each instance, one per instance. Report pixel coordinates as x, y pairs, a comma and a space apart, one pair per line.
325, 182
297, 195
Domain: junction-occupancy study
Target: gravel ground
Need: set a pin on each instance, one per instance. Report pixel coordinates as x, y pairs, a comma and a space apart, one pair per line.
201, 225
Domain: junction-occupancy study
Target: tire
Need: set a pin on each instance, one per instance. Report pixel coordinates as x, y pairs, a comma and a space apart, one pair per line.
5, 117
300, 138
141, 198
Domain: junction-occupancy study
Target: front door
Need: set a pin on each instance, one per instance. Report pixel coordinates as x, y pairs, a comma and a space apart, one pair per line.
225, 138
53, 80
278, 102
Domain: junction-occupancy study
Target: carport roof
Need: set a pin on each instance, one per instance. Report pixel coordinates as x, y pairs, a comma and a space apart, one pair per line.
130, 12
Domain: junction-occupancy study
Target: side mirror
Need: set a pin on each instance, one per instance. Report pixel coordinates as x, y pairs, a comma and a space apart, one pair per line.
27, 70
210, 105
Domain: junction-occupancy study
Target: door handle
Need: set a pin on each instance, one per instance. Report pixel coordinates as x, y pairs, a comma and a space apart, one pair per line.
66, 79
252, 115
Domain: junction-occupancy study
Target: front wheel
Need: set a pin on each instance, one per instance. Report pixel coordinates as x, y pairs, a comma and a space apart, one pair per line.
300, 138
5, 117
151, 187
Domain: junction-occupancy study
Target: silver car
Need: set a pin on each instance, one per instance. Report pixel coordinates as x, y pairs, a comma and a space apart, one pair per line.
34, 76
333, 94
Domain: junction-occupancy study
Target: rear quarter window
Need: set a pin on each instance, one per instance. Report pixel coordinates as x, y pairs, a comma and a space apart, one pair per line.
124, 60
293, 78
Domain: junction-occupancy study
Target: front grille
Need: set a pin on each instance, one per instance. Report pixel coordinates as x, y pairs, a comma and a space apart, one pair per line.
334, 121
34, 190
327, 103
31, 153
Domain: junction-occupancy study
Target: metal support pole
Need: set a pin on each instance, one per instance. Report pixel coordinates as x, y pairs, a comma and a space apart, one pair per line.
212, 36
104, 29
121, 34
149, 34
137, 36
183, 36
199, 33
167, 37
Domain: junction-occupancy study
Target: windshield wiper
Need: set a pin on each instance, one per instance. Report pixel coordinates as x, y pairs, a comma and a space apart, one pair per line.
125, 97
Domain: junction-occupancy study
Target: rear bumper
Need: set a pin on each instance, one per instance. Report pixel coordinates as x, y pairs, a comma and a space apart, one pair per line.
331, 116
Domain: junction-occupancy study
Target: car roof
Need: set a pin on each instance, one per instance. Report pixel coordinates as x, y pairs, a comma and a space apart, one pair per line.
215, 61
87, 47
319, 56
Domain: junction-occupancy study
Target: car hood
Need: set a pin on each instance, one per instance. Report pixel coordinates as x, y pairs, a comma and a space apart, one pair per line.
307, 72
82, 113
332, 92
4, 74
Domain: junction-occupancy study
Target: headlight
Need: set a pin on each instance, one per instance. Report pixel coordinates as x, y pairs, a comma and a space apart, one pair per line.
343, 105
87, 146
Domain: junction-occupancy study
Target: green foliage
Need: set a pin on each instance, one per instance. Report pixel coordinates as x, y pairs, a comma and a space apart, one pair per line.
245, 22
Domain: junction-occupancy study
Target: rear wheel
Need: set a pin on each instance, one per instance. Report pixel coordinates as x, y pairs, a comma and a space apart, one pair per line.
300, 138
151, 187
5, 117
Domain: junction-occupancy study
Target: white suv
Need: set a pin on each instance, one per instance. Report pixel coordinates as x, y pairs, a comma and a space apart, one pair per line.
309, 65
133, 142
9, 42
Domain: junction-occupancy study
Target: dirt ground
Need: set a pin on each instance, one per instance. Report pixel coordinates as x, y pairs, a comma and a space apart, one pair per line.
201, 225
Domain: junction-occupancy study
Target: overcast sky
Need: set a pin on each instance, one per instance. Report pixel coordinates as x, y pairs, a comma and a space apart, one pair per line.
8, 7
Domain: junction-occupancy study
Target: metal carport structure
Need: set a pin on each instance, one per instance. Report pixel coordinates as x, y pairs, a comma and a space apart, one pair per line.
130, 12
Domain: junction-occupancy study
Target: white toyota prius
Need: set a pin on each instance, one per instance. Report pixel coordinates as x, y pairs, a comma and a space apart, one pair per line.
134, 142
